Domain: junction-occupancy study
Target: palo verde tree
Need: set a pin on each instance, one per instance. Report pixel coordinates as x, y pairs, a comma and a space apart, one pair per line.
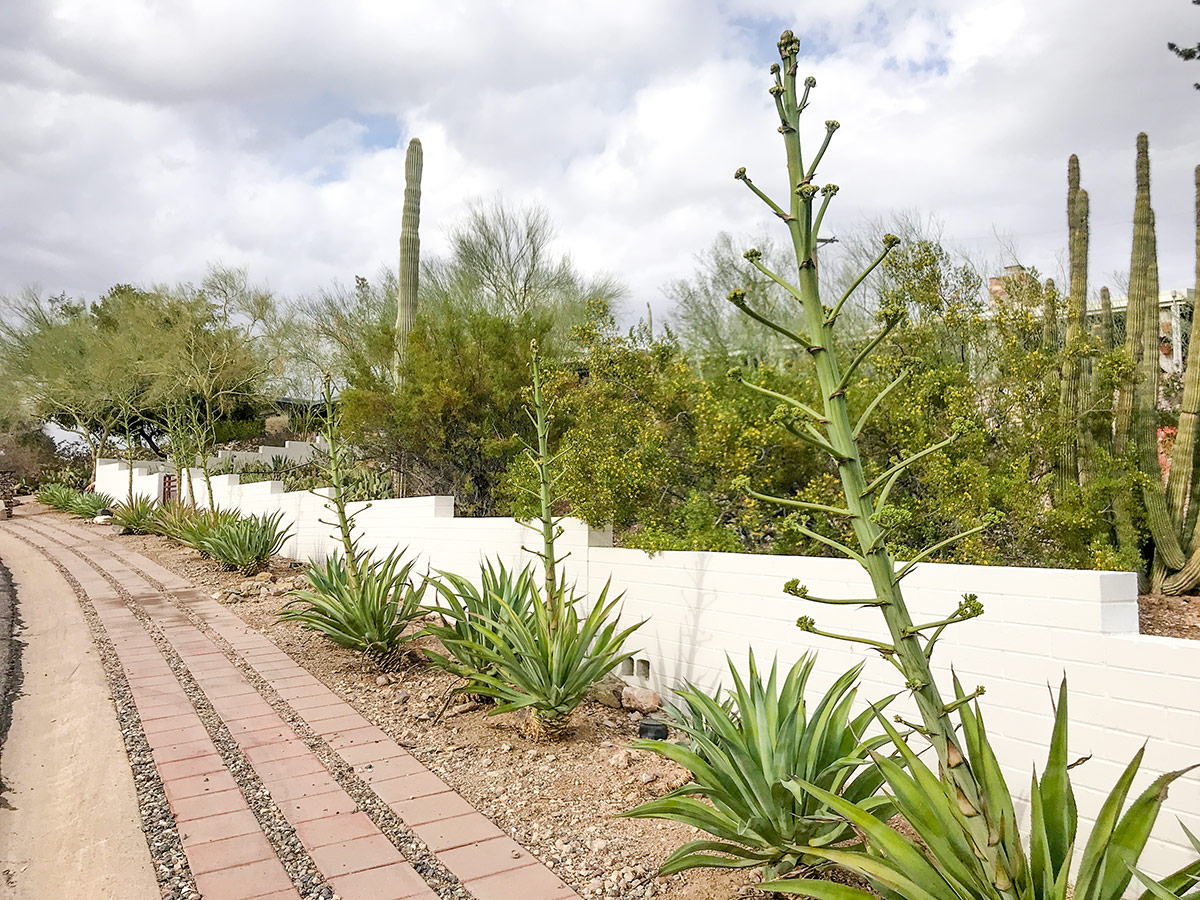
982, 854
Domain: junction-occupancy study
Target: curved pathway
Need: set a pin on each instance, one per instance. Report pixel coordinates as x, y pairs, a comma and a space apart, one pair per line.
278, 788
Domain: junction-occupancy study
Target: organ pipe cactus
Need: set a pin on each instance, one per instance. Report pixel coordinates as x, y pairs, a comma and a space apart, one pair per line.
1182, 501
1171, 510
1076, 341
965, 790
410, 251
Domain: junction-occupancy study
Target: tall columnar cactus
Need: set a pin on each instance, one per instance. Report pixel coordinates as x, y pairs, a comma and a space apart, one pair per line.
828, 426
1171, 512
410, 251
1050, 317
1182, 499
1076, 342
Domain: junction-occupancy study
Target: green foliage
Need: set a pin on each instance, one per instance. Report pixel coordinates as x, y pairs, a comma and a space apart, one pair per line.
57, 496
191, 526
542, 659
743, 752
945, 865
469, 608
89, 505
370, 613
138, 517
244, 544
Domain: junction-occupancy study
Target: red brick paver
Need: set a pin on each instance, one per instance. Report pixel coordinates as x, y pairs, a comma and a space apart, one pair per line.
359, 866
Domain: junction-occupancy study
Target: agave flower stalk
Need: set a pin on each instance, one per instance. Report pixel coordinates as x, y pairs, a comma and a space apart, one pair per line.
827, 424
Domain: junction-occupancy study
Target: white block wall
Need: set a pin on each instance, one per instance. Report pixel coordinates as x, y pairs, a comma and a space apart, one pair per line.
1038, 624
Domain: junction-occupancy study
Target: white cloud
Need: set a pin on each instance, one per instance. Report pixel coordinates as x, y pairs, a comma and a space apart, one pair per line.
140, 141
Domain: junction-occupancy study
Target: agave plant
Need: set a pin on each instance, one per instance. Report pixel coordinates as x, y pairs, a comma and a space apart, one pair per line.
191, 526
542, 659
245, 544
90, 505
57, 496
368, 614
138, 517
464, 608
742, 755
952, 867
1183, 885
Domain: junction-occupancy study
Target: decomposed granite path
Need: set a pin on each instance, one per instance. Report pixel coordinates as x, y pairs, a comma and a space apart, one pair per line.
253, 779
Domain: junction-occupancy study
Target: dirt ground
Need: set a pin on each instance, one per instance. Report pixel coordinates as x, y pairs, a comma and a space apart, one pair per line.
1169, 616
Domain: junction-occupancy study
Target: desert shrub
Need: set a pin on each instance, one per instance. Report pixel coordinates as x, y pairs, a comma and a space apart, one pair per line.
544, 659
57, 496
244, 544
741, 754
368, 613
90, 505
467, 608
138, 517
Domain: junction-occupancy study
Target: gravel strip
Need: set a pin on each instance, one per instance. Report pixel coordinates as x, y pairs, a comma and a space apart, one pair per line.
175, 880
10, 657
439, 878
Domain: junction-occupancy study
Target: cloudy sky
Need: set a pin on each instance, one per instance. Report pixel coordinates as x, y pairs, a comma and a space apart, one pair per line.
142, 139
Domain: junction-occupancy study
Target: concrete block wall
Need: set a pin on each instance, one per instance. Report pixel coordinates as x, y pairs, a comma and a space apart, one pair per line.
1039, 624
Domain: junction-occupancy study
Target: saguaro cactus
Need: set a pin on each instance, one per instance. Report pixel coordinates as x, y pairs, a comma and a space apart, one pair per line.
827, 425
410, 251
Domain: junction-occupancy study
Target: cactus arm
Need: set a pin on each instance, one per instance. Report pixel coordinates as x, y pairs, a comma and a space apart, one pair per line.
866, 414
1049, 316
889, 241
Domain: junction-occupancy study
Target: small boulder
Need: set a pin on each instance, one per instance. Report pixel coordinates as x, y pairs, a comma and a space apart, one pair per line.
607, 691
641, 700
103, 519
621, 759
264, 576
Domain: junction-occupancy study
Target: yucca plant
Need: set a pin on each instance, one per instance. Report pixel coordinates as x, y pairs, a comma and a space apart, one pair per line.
744, 754
464, 607
138, 517
542, 659
245, 544
57, 496
90, 505
952, 867
369, 613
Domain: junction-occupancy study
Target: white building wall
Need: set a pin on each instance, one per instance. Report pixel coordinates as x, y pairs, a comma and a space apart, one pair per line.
700, 607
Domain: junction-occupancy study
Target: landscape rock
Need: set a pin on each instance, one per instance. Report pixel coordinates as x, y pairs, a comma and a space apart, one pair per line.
621, 759
103, 520
264, 576
642, 700
607, 691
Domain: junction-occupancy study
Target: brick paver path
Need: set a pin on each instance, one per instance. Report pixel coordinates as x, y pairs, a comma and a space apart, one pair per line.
229, 855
